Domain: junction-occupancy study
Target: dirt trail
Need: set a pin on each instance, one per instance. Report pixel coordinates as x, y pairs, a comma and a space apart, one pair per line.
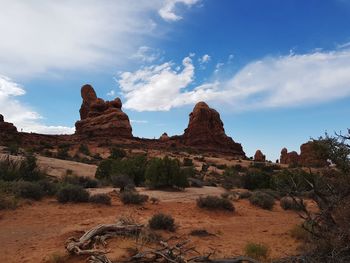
34, 231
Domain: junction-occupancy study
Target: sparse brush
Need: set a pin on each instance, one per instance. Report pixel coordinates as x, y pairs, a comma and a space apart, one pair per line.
100, 199
162, 221
256, 251
72, 193
299, 233
288, 203
131, 197
154, 200
30, 190
262, 200
214, 203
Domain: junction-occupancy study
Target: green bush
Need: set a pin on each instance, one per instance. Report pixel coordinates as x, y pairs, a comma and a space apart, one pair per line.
49, 188
133, 167
161, 173
83, 181
215, 203
117, 153
132, 197
245, 194
256, 179
29, 190
72, 193
162, 221
187, 162
8, 202
121, 181
262, 200
100, 199
256, 251
84, 149
287, 203
293, 180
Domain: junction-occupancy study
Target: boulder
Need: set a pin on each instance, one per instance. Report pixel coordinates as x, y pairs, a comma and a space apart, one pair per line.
291, 158
164, 137
99, 118
206, 131
259, 156
309, 155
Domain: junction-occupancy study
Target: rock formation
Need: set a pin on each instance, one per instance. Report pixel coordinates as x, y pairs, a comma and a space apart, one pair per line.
6, 127
308, 156
101, 118
164, 137
206, 131
259, 156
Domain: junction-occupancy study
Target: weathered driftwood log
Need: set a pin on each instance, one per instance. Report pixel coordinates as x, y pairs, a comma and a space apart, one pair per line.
86, 244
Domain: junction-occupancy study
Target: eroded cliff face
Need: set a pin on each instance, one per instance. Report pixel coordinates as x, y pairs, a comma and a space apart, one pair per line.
206, 131
101, 118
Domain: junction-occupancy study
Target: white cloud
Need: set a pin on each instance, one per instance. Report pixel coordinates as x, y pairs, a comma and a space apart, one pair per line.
204, 59
285, 81
111, 93
218, 66
48, 36
147, 54
155, 87
167, 12
21, 115
139, 121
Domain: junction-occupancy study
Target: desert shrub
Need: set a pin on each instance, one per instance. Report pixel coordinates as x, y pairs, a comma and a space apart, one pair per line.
83, 181
48, 187
287, 203
245, 194
292, 180
165, 172
262, 200
256, 251
299, 233
194, 182
188, 172
221, 166
8, 201
132, 197
72, 193
215, 203
100, 199
274, 193
256, 179
117, 153
30, 190
13, 148
62, 152
231, 178
187, 162
84, 149
133, 167
162, 221
200, 233
121, 181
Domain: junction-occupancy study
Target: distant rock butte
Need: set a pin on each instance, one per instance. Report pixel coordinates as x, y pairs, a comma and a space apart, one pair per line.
101, 118
259, 156
164, 137
7, 128
308, 156
206, 131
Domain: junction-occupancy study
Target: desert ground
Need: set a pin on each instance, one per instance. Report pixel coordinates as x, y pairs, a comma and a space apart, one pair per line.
38, 229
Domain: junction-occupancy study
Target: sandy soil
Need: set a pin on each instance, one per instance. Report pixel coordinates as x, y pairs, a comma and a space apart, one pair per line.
36, 230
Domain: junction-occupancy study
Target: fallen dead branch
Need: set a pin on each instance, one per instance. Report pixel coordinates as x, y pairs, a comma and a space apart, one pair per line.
165, 252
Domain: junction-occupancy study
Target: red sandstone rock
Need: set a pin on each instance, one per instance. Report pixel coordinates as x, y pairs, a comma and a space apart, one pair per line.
259, 156
309, 156
164, 137
102, 118
206, 131
7, 131
291, 158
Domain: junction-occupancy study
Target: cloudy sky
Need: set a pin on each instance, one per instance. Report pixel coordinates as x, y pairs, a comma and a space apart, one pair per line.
277, 71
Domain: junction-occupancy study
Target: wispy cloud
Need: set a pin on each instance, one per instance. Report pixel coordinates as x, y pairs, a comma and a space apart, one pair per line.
49, 36
147, 54
139, 121
22, 116
285, 81
111, 93
167, 12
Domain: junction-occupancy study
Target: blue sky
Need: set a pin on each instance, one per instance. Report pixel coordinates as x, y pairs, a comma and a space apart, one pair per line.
277, 71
